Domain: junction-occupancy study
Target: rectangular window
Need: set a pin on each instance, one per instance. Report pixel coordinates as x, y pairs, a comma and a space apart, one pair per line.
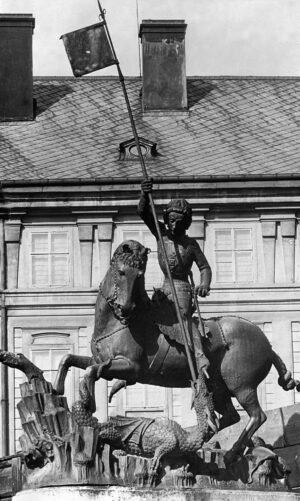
234, 255
50, 258
145, 399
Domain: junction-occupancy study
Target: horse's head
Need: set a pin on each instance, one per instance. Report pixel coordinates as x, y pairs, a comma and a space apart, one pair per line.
127, 271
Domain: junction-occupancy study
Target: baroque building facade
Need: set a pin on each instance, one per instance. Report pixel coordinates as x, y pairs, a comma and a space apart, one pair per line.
70, 182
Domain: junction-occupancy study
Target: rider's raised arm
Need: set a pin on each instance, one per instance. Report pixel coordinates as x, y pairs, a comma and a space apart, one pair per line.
205, 270
144, 209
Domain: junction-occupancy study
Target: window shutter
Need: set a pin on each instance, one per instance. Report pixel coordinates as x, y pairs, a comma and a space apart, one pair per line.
223, 240
233, 255
50, 259
40, 273
224, 266
40, 243
59, 242
145, 399
59, 270
243, 267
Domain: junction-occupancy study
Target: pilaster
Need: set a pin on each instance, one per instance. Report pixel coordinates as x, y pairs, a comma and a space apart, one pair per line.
279, 241
288, 233
105, 234
86, 233
269, 232
12, 248
87, 224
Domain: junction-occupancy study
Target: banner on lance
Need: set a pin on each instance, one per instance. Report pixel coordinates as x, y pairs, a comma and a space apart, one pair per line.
88, 49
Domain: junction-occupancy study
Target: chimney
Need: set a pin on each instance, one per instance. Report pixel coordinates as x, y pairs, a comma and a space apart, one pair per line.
164, 74
16, 101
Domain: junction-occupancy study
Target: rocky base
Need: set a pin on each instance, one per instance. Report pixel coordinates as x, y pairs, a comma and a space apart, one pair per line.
59, 450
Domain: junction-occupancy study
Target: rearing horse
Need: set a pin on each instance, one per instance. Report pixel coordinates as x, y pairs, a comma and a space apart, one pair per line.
127, 344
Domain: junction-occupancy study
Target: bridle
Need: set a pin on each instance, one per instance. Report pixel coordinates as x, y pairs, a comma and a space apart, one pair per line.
112, 300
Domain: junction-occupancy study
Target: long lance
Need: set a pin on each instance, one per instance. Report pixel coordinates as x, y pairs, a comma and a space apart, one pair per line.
184, 332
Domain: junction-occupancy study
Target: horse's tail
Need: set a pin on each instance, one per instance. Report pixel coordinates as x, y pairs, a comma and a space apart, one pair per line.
285, 380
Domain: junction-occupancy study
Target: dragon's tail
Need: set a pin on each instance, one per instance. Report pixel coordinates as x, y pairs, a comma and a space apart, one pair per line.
285, 380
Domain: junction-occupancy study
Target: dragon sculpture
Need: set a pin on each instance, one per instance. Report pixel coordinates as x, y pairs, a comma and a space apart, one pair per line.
146, 437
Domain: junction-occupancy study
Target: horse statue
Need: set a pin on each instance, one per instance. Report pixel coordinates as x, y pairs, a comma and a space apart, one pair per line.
127, 344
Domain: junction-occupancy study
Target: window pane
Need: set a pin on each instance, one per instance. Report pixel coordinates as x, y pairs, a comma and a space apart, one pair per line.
41, 358
243, 266
40, 243
224, 272
135, 396
40, 275
59, 270
59, 242
223, 239
223, 257
242, 239
155, 396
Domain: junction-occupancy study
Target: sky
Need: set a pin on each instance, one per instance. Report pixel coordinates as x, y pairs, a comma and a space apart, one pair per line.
224, 37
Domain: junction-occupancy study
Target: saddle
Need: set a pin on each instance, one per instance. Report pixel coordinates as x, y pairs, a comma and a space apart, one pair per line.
164, 315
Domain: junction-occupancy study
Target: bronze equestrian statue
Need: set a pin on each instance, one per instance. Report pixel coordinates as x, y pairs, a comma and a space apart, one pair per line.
127, 344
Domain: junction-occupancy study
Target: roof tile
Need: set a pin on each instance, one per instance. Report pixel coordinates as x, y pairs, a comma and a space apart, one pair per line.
234, 126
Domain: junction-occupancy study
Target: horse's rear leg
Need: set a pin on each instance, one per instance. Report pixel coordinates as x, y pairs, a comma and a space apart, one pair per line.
66, 362
249, 401
229, 413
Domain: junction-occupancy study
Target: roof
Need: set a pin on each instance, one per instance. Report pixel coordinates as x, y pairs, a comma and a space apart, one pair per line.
234, 126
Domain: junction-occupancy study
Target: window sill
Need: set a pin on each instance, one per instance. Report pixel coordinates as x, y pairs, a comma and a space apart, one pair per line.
253, 286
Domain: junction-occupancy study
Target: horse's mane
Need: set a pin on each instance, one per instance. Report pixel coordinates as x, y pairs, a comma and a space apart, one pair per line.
131, 253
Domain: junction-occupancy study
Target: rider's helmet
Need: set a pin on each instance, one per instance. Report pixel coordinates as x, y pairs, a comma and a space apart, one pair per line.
180, 206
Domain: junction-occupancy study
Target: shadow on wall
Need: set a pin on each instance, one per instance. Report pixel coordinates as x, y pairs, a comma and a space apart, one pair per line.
47, 94
198, 90
288, 447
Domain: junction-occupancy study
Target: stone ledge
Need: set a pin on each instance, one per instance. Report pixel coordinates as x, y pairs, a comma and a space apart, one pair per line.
88, 493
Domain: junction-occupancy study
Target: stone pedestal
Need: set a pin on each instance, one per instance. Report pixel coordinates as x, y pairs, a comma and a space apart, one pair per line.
89, 493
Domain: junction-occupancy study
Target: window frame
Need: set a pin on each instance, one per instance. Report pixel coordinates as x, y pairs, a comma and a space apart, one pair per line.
146, 407
56, 340
211, 251
50, 230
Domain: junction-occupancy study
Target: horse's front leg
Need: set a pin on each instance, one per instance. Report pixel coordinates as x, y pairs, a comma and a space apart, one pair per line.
66, 362
119, 366
126, 369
